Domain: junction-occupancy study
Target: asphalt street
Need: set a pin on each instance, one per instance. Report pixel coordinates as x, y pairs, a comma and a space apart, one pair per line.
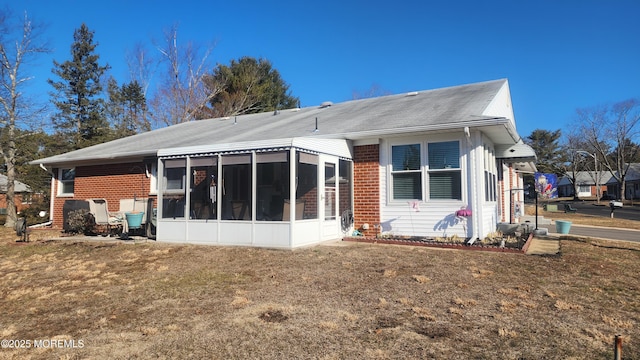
629, 212
598, 232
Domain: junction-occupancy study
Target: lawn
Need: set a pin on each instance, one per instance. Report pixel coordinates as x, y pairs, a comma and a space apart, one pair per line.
346, 301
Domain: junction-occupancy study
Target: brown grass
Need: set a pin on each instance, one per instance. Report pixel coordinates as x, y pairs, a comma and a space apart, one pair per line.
157, 300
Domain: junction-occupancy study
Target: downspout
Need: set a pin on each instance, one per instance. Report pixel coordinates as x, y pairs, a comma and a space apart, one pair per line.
474, 197
53, 183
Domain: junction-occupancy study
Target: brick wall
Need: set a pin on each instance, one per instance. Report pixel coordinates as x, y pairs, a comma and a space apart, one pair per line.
111, 182
17, 200
366, 185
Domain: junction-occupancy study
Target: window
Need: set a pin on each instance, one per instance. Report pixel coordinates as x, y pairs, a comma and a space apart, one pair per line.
490, 193
441, 169
67, 179
444, 170
406, 172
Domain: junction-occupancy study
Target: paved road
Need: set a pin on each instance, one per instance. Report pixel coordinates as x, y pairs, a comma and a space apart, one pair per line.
603, 209
598, 232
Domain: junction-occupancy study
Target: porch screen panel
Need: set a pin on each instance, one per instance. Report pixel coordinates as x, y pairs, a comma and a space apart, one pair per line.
204, 188
272, 186
236, 187
306, 186
174, 188
345, 185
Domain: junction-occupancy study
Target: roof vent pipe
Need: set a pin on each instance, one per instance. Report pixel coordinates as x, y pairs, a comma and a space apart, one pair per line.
325, 104
316, 129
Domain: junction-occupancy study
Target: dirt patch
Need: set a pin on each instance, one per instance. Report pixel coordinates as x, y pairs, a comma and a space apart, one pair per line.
370, 301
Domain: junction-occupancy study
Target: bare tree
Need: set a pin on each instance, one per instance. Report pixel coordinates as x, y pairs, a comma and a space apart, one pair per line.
611, 131
19, 43
374, 91
142, 66
181, 94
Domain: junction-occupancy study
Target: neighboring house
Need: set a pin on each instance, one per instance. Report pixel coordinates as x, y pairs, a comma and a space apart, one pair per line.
632, 183
22, 195
585, 184
400, 164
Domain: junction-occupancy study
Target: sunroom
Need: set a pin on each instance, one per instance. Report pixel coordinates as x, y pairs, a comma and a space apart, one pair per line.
282, 193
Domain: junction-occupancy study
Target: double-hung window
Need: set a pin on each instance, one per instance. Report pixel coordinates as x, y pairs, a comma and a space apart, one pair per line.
406, 172
445, 178
67, 178
440, 169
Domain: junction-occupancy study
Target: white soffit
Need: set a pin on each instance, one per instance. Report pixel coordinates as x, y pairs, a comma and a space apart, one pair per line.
519, 152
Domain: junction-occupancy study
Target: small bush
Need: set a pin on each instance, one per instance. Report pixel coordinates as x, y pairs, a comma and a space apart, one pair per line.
81, 221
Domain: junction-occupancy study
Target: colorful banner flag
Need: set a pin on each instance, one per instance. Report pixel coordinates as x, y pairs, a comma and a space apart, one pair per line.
546, 185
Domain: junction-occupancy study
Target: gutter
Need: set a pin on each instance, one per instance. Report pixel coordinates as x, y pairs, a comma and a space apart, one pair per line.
492, 121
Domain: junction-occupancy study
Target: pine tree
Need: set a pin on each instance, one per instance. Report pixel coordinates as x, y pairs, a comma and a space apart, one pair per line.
247, 86
81, 117
127, 108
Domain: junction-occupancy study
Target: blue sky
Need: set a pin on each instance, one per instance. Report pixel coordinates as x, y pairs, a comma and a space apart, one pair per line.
558, 55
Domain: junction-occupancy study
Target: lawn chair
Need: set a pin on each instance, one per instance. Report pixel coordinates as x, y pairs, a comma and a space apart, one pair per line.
132, 205
568, 208
108, 222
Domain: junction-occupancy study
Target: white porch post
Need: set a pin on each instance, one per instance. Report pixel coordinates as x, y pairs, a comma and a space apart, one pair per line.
293, 185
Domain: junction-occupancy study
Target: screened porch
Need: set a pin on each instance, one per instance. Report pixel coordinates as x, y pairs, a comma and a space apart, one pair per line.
279, 196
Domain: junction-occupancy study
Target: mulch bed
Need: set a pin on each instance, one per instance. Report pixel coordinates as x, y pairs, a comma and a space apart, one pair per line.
420, 241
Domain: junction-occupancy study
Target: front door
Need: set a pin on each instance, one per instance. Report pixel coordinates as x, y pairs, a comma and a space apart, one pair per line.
329, 194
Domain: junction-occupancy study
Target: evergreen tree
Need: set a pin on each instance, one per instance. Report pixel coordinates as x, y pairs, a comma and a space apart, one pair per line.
247, 86
81, 117
127, 108
551, 155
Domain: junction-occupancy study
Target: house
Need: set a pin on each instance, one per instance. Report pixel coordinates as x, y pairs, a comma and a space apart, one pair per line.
585, 184
401, 164
22, 195
632, 183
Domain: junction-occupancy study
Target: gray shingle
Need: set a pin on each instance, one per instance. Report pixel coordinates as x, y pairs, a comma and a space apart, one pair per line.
349, 119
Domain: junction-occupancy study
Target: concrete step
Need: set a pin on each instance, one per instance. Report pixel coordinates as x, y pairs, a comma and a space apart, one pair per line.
532, 219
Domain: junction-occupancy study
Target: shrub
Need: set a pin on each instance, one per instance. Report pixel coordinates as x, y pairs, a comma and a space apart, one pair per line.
81, 221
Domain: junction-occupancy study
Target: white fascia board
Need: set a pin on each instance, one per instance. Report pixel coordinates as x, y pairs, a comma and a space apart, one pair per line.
339, 147
460, 125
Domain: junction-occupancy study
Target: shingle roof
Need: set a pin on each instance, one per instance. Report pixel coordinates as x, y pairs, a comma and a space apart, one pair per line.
432, 109
19, 187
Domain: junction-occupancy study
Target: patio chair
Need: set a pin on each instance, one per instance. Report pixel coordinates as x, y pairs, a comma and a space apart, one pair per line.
569, 208
299, 209
131, 205
107, 221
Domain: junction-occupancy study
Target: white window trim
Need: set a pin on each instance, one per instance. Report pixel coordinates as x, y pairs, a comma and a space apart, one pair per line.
152, 174
392, 172
61, 183
424, 168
